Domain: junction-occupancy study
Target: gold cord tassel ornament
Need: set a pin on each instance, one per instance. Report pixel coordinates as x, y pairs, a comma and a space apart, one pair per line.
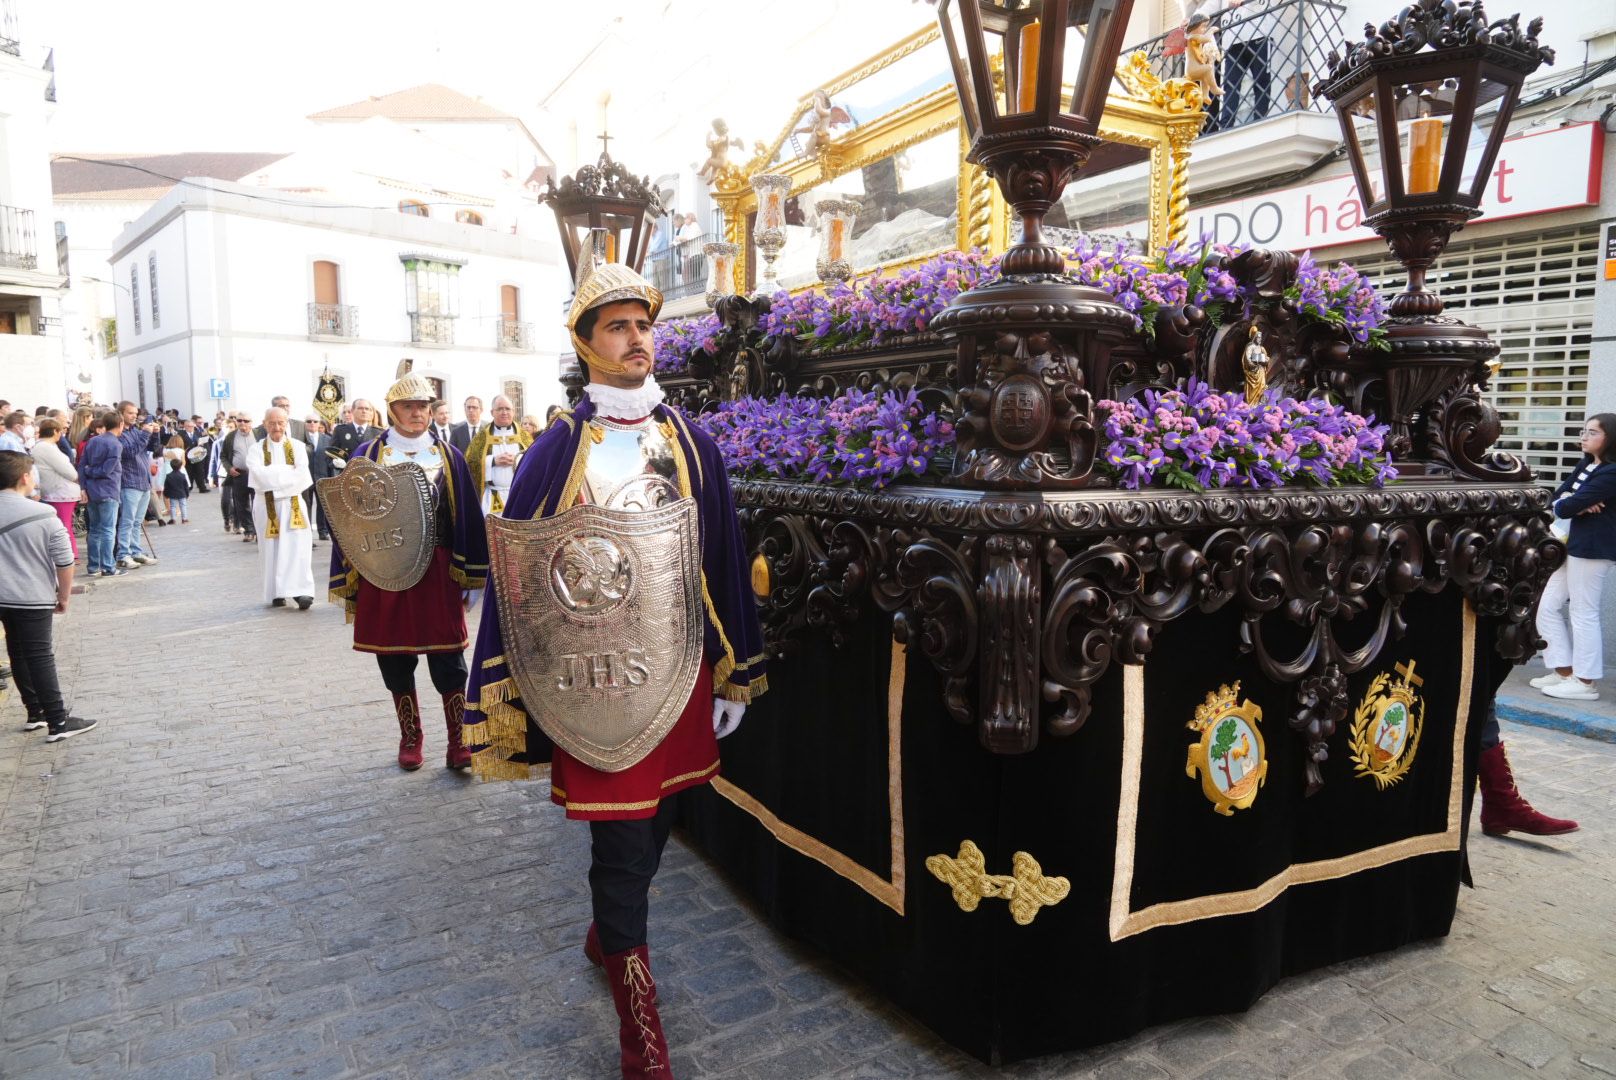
272, 517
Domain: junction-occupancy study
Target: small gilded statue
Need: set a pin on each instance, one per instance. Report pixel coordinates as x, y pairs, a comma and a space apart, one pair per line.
1202, 56
718, 148
820, 116
1254, 362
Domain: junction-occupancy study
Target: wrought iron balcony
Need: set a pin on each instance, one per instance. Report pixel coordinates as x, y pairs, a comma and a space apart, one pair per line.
333, 320
1271, 53
432, 329
515, 336
680, 270
17, 248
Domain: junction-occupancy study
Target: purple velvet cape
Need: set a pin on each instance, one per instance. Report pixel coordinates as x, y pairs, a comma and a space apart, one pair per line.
495, 718
468, 541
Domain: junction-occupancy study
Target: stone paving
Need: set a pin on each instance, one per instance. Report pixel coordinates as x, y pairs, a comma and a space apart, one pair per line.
231, 878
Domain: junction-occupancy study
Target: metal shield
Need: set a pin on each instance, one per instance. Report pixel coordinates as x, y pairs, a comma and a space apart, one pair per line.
383, 518
602, 615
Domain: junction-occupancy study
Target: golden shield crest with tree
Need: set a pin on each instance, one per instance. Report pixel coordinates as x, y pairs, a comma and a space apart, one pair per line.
1229, 755
1386, 729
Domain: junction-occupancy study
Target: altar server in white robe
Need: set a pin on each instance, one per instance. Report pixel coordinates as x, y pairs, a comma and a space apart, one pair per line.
278, 473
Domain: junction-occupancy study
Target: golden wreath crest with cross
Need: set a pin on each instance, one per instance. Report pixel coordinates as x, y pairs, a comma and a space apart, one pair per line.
1386, 729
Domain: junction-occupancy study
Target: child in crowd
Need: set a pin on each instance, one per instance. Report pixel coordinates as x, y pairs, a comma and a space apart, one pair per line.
177, 490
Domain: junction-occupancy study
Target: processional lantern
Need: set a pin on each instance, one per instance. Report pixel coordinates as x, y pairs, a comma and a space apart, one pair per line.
604, 205
1032, 77
1424, 102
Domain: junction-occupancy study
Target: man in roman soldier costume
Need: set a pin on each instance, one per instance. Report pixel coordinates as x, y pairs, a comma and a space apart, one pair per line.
623, 640
408, 548
493, 454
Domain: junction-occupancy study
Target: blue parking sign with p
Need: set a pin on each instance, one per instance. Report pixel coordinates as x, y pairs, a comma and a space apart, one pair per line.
219, 388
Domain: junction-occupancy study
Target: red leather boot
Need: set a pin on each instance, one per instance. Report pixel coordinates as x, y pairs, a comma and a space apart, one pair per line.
640, 1040
1503, 808
592, 946
454, 708
409, 727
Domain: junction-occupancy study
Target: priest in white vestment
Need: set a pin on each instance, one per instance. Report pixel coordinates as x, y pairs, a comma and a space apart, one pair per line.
494, 453
278, 473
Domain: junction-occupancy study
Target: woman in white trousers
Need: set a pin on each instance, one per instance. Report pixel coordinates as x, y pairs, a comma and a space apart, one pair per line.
1575, 652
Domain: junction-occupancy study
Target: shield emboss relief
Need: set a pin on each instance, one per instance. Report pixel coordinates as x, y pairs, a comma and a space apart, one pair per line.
601, 611
383, 518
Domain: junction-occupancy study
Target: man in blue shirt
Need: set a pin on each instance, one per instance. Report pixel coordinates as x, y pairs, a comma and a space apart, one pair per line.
140, 442
101, 475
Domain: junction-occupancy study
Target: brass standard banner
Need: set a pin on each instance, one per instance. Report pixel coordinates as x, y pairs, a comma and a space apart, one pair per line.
383, 518
602, 615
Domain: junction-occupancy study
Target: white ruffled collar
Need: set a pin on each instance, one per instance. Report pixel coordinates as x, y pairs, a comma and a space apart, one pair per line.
406, 444
620, 404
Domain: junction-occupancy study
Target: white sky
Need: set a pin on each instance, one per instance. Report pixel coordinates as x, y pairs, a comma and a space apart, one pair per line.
204, 75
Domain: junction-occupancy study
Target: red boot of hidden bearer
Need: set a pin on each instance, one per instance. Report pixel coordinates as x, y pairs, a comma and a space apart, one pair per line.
640, 1040
409, 727
1504, 809
592, 947
454, 708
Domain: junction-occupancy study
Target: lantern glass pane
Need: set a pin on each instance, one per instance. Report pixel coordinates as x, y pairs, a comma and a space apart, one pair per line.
1424, 126
955, 36
1490, 93
1086, 22
1365, 129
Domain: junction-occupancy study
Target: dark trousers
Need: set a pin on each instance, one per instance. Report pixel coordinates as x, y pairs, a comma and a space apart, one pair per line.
33, 662
1245, 63
448, 671
198, 471
624, 856
316, 513
1489, 728
241, 504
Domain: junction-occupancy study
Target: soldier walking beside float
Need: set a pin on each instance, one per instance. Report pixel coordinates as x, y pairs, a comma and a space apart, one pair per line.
623, 626
408, 546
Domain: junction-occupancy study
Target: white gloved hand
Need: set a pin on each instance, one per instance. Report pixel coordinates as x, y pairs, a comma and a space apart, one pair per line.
727, 716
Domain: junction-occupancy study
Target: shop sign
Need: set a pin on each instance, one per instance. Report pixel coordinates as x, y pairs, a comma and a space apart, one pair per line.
1536, 173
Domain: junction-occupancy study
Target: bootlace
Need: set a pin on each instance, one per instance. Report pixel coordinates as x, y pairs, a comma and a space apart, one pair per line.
637, 977
409, 720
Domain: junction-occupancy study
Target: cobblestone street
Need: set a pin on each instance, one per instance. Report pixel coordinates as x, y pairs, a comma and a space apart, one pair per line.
231, 877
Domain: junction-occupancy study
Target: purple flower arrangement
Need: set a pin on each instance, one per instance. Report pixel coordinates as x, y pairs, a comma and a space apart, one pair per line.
1197, 439
674, 341
1144, 284
869, 310
1339, 297
866, 438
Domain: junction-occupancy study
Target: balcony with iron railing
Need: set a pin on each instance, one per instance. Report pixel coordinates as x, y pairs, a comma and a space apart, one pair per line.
1272, 53
431, 329
17, 247
333, 321
514, 336
680, 270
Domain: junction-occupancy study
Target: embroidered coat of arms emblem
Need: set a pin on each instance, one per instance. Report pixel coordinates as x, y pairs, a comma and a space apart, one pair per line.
1228, 753
1386, 729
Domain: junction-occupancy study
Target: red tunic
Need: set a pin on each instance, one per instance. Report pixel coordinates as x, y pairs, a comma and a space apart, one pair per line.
425, 618
686, 757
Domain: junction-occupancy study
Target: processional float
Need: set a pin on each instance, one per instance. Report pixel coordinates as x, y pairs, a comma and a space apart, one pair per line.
1048, 759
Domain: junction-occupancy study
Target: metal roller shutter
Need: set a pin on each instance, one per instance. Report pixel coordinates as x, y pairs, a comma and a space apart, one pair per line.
1534, 292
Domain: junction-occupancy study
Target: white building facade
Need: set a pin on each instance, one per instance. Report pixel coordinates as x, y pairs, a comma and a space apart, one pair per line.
31, 276
230, 295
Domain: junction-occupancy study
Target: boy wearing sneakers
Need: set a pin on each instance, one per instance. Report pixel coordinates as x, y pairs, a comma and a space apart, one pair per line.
36, 582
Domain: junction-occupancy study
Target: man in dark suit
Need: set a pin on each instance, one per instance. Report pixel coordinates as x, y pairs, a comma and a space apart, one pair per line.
346, 438
319, 468
440, 421
460, 434
192, 434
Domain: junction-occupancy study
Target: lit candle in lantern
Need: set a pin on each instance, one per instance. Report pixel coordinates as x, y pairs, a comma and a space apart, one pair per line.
611, 247
1424, 154
1027, 68
838, 229
773, 213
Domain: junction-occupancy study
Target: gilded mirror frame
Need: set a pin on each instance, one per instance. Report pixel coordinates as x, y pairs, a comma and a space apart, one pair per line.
1161, 117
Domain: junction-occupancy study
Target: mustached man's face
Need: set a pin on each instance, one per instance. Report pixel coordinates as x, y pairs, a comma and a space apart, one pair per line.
623, 333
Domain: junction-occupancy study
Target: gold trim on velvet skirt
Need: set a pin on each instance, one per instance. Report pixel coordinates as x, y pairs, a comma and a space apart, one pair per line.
1126, 923
890, 890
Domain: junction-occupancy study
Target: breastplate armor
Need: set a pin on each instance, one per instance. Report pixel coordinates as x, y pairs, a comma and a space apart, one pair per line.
631, 468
